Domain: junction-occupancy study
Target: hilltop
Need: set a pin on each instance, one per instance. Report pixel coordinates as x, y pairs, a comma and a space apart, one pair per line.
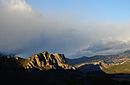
42, 68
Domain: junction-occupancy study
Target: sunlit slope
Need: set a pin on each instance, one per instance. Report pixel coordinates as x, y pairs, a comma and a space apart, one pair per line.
116, 69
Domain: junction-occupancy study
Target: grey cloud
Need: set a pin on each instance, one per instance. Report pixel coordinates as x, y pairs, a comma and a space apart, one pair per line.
22, 30
104, 47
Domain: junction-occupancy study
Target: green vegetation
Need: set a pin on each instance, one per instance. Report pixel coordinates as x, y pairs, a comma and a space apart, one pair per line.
121, 68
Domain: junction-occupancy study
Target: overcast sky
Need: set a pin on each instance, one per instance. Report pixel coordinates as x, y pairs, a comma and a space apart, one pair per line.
73, 27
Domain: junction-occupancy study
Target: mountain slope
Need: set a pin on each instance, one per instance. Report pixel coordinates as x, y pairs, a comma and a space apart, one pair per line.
45, 61
50, 69
116, 69
110, 64
109, 59
42, 68
78, 60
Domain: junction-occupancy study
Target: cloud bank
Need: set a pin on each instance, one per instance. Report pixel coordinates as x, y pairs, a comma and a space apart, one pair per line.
104, 47
24, 30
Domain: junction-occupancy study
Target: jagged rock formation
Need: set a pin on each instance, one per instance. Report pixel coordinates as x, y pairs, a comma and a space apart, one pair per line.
46, 61
38, 70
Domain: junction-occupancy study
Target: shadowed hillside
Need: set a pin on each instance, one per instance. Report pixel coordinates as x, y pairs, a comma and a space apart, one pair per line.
41, 69
14, 72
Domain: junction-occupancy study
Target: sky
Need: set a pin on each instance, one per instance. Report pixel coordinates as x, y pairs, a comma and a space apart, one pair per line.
75, 28
115, 10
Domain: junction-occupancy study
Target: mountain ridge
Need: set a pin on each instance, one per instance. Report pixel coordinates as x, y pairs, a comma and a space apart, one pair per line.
45, 61
106, 58
40, 69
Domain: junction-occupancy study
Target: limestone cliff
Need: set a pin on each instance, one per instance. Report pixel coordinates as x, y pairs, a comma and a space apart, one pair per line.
46, 61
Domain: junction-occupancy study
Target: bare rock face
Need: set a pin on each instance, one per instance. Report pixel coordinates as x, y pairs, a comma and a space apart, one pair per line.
47, 61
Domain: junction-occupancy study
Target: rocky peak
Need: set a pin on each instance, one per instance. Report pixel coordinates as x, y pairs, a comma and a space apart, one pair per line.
46, 61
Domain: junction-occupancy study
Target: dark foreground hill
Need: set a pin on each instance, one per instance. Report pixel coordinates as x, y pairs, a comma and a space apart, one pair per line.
50, 69
39, 69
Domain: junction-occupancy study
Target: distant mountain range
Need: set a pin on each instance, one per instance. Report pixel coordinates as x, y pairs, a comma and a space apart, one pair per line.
111, 64
106, 58
54, 69
47, 61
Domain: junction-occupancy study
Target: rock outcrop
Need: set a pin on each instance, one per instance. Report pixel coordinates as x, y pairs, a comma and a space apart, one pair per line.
46, 61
